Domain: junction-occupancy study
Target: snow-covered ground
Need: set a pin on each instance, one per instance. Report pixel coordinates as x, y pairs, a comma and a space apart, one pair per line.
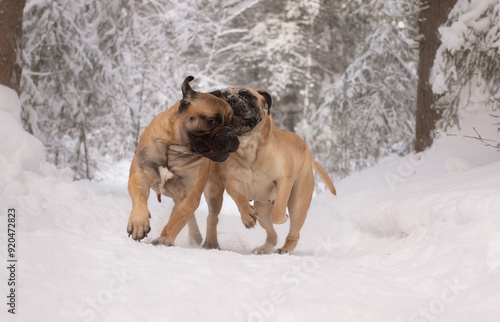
411, 239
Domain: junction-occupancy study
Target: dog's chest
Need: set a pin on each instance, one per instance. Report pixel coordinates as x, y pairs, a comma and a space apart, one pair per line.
261, 189
254, 171
165, 176
175, 177
255, 184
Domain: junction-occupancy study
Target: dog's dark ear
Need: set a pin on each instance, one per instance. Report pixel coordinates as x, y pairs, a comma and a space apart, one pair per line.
188, 94
268, 99
217, 93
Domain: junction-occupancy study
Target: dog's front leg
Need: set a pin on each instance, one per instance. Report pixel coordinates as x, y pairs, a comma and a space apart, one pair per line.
181, 214
138, 224
185, 206
283, 189
248, 213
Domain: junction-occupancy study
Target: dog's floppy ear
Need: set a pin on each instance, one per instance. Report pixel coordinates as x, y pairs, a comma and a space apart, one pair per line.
217, 93
268, 99
188, 94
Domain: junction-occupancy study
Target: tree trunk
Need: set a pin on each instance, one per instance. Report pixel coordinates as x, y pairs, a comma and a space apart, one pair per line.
433, 14
11, 39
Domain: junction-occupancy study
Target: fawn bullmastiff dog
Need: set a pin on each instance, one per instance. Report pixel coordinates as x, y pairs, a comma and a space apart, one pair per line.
271, 167
173, 158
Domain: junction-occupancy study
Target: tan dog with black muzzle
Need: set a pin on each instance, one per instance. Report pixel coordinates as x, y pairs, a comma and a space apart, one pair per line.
272, 167
173, 158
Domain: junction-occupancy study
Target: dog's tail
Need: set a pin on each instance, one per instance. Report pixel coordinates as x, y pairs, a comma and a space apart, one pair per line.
324, 176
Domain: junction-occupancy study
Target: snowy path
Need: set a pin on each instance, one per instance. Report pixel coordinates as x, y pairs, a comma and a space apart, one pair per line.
408, 240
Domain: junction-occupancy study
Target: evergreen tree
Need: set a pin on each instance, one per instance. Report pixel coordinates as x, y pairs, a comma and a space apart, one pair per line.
295, 48
75, 97
369, 112
466, 72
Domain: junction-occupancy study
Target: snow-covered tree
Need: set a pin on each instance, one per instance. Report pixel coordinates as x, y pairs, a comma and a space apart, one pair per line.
294, 48
96, 73
277, 54
209, 37
75, 97
369, 112
466, 72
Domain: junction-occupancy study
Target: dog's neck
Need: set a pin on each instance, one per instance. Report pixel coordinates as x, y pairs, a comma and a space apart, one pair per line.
251, 141
180, 157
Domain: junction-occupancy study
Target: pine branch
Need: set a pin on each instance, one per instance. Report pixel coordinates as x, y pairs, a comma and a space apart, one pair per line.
50, 29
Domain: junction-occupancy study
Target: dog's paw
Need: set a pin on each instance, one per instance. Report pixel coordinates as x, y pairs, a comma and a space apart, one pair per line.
249, 219
195, 240
210, 245
282, 251
162, 241
262, 250
138, 227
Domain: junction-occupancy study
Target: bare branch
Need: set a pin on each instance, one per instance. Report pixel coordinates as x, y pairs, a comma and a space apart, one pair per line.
486, 142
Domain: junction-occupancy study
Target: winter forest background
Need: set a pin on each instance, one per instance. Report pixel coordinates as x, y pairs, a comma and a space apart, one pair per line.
343, 74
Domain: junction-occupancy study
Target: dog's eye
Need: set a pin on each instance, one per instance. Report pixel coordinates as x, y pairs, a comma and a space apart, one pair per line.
213, 120
245, 93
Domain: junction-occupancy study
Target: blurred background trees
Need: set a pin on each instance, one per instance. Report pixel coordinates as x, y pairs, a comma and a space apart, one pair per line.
343, 74
369, 112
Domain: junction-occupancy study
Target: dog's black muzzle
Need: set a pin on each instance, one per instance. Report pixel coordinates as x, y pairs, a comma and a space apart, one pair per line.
216, 145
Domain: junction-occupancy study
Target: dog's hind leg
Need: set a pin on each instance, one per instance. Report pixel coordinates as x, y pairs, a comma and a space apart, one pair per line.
264, 210
283, 190
298, 204
194, 234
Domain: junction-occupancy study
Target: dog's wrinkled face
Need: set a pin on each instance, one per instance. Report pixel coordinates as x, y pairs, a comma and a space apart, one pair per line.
212, 138
207, 121
248, 107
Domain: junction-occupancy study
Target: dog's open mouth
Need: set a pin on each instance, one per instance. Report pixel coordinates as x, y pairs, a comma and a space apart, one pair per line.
239, 121
242, 125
